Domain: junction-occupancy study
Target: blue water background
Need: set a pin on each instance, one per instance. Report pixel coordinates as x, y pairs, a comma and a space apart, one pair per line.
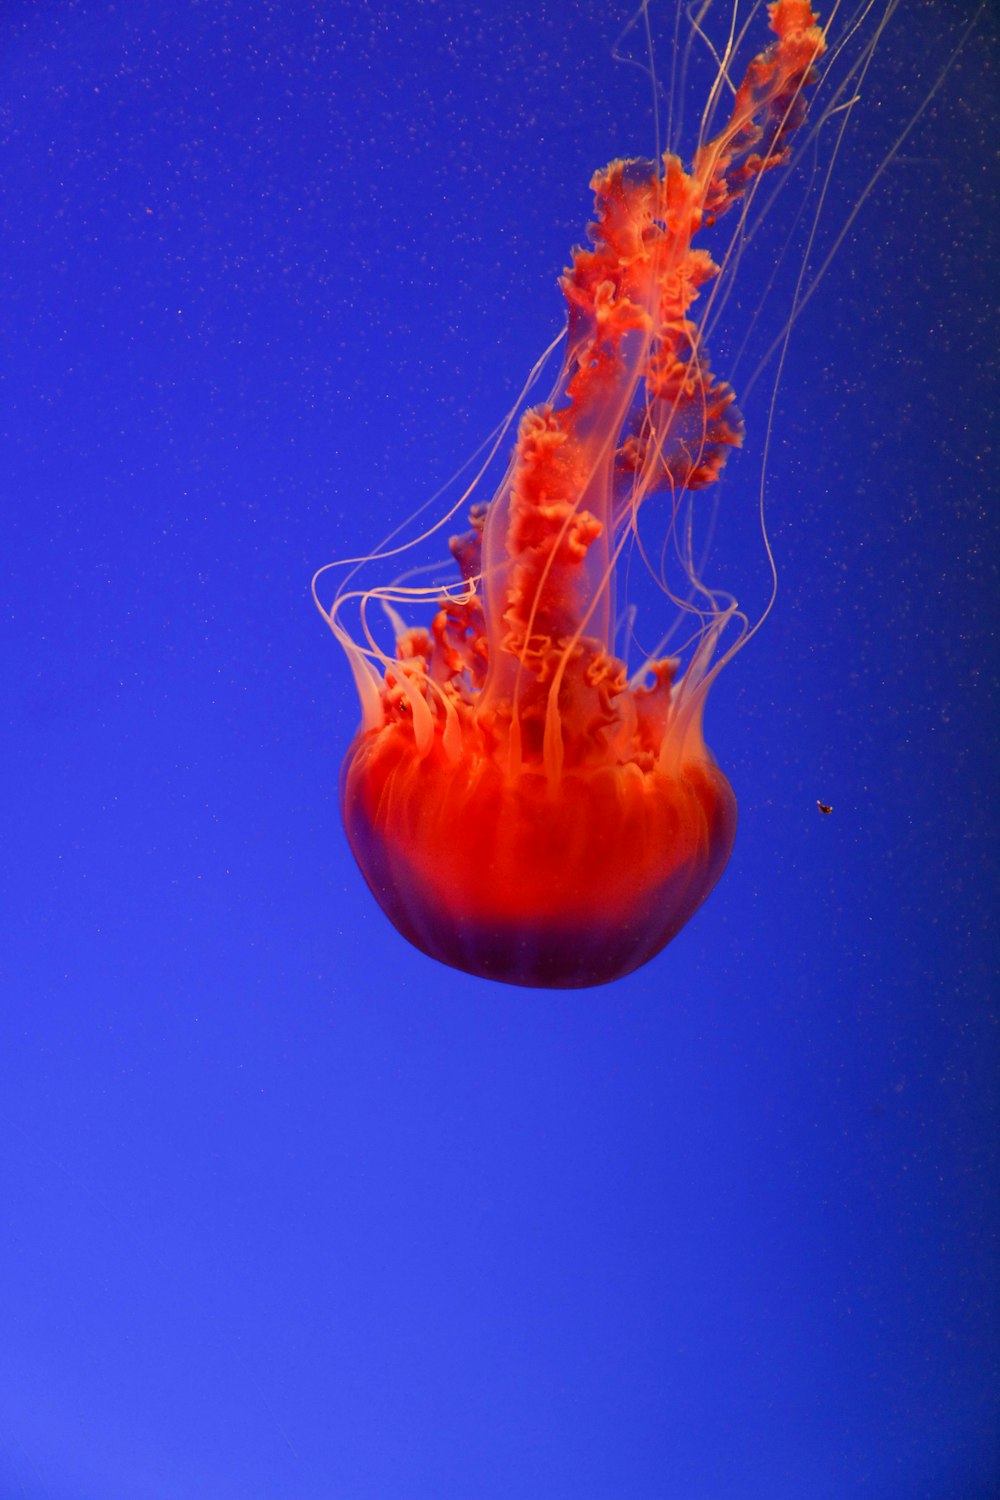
288, 1211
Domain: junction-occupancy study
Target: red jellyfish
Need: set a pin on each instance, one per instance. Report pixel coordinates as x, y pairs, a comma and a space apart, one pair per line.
520, 807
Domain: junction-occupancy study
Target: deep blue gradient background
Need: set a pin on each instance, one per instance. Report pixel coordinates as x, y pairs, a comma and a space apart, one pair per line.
287, 1210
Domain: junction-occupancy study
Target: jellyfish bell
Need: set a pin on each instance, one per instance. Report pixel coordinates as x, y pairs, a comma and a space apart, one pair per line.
521, 805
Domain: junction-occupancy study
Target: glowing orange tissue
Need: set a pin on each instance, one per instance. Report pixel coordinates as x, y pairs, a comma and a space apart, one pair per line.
519, 805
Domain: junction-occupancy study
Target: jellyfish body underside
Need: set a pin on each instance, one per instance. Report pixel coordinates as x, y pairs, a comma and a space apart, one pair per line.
520, 883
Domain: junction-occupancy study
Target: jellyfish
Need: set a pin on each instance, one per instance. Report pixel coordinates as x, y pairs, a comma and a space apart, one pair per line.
521, 806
